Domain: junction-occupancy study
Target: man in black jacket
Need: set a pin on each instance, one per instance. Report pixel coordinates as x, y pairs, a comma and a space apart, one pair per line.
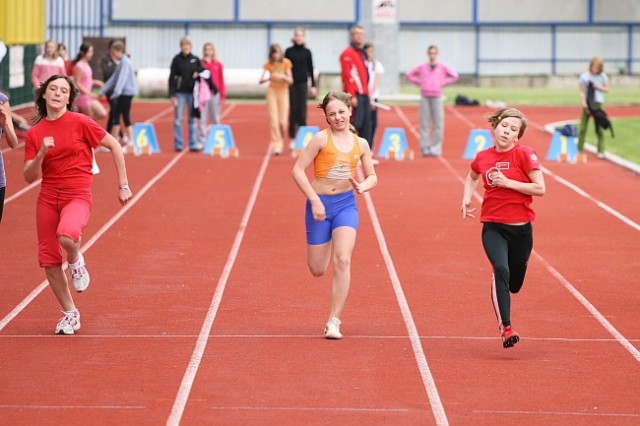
302, 71
185, 67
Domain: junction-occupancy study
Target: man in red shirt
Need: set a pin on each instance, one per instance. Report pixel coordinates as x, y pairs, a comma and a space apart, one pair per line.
355, 81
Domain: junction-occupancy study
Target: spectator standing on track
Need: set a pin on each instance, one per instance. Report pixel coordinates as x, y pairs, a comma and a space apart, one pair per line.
47, 64
511, 176
108, 65
600, 81
331, 216
122, 88
376, 70
302, 71
212, 109
6, 129
58, 148
87, 102
185, 68
68, 66
355, 81
432, 76
277, 71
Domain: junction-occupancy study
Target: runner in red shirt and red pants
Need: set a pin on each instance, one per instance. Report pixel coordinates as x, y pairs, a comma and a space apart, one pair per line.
511, 176
58, 148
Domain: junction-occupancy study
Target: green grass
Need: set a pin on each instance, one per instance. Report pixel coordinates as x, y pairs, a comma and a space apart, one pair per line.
626, 142
532, 96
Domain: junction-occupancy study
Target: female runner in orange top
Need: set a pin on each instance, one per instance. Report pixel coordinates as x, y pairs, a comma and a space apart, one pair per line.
331, 209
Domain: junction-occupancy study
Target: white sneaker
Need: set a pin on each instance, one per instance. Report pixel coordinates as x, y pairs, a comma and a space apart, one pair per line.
79, 274
69, 323
332, 329
94, 165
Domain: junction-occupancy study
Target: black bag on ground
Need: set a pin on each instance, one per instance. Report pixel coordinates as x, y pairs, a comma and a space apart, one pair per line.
462, 100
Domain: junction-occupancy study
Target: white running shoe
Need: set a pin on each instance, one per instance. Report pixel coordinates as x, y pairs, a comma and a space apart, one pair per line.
332, 329
69, 323
79, 274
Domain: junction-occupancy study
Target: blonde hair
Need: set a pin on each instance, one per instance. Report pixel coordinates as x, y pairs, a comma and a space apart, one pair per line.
496, 117
598, 63
214, 57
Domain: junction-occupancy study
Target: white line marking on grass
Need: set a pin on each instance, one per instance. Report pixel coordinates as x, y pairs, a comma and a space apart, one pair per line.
11, 315
583, 300
423, 366
196, 357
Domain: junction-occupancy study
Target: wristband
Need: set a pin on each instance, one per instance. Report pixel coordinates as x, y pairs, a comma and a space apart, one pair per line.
124, 187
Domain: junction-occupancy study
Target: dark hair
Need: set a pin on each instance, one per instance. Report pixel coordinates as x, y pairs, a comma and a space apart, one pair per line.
496, 117
84, 48
335, 96
41, 103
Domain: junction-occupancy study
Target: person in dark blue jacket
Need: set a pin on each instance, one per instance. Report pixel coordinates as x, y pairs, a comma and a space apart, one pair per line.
185, 68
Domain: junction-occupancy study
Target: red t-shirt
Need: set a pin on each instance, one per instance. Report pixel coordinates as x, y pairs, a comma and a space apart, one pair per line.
68, 163
504, 205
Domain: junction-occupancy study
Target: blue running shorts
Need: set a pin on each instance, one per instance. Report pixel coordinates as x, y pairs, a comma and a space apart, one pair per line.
341, 210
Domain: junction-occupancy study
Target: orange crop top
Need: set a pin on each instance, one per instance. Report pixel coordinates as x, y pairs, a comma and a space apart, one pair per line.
333, 164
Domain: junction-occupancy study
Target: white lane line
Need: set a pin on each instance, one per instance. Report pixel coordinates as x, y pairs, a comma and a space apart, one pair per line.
326, 409
22, 191
11, 315
583, 300
597, 202
557, 413
304, 337
423, 366
196, 357
76, 407
589, 307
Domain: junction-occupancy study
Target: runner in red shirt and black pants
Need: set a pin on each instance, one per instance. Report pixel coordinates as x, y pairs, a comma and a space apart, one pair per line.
511, 176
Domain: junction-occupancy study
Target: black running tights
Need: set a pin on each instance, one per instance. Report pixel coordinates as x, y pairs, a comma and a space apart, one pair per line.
508, 248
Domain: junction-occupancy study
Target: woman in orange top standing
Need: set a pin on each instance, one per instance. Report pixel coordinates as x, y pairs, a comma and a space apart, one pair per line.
331, 209
277, 71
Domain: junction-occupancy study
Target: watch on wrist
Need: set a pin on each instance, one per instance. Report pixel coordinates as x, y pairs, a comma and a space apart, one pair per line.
124, 187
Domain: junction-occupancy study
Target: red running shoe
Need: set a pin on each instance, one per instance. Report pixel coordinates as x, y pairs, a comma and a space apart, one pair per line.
509, 336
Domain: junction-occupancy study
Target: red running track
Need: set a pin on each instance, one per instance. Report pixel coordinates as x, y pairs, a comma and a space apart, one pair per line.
201, 309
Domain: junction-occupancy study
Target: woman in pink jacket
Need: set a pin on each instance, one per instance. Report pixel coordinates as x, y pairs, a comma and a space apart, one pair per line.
47, 64
431, 77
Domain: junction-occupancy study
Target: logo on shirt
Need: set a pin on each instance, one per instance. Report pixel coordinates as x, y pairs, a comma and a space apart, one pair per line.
500, 165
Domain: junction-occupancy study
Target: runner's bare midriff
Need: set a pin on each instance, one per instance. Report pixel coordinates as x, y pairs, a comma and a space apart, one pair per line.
326, 186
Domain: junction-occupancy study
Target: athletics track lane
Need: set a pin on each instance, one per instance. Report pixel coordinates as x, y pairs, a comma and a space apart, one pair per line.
469, 374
